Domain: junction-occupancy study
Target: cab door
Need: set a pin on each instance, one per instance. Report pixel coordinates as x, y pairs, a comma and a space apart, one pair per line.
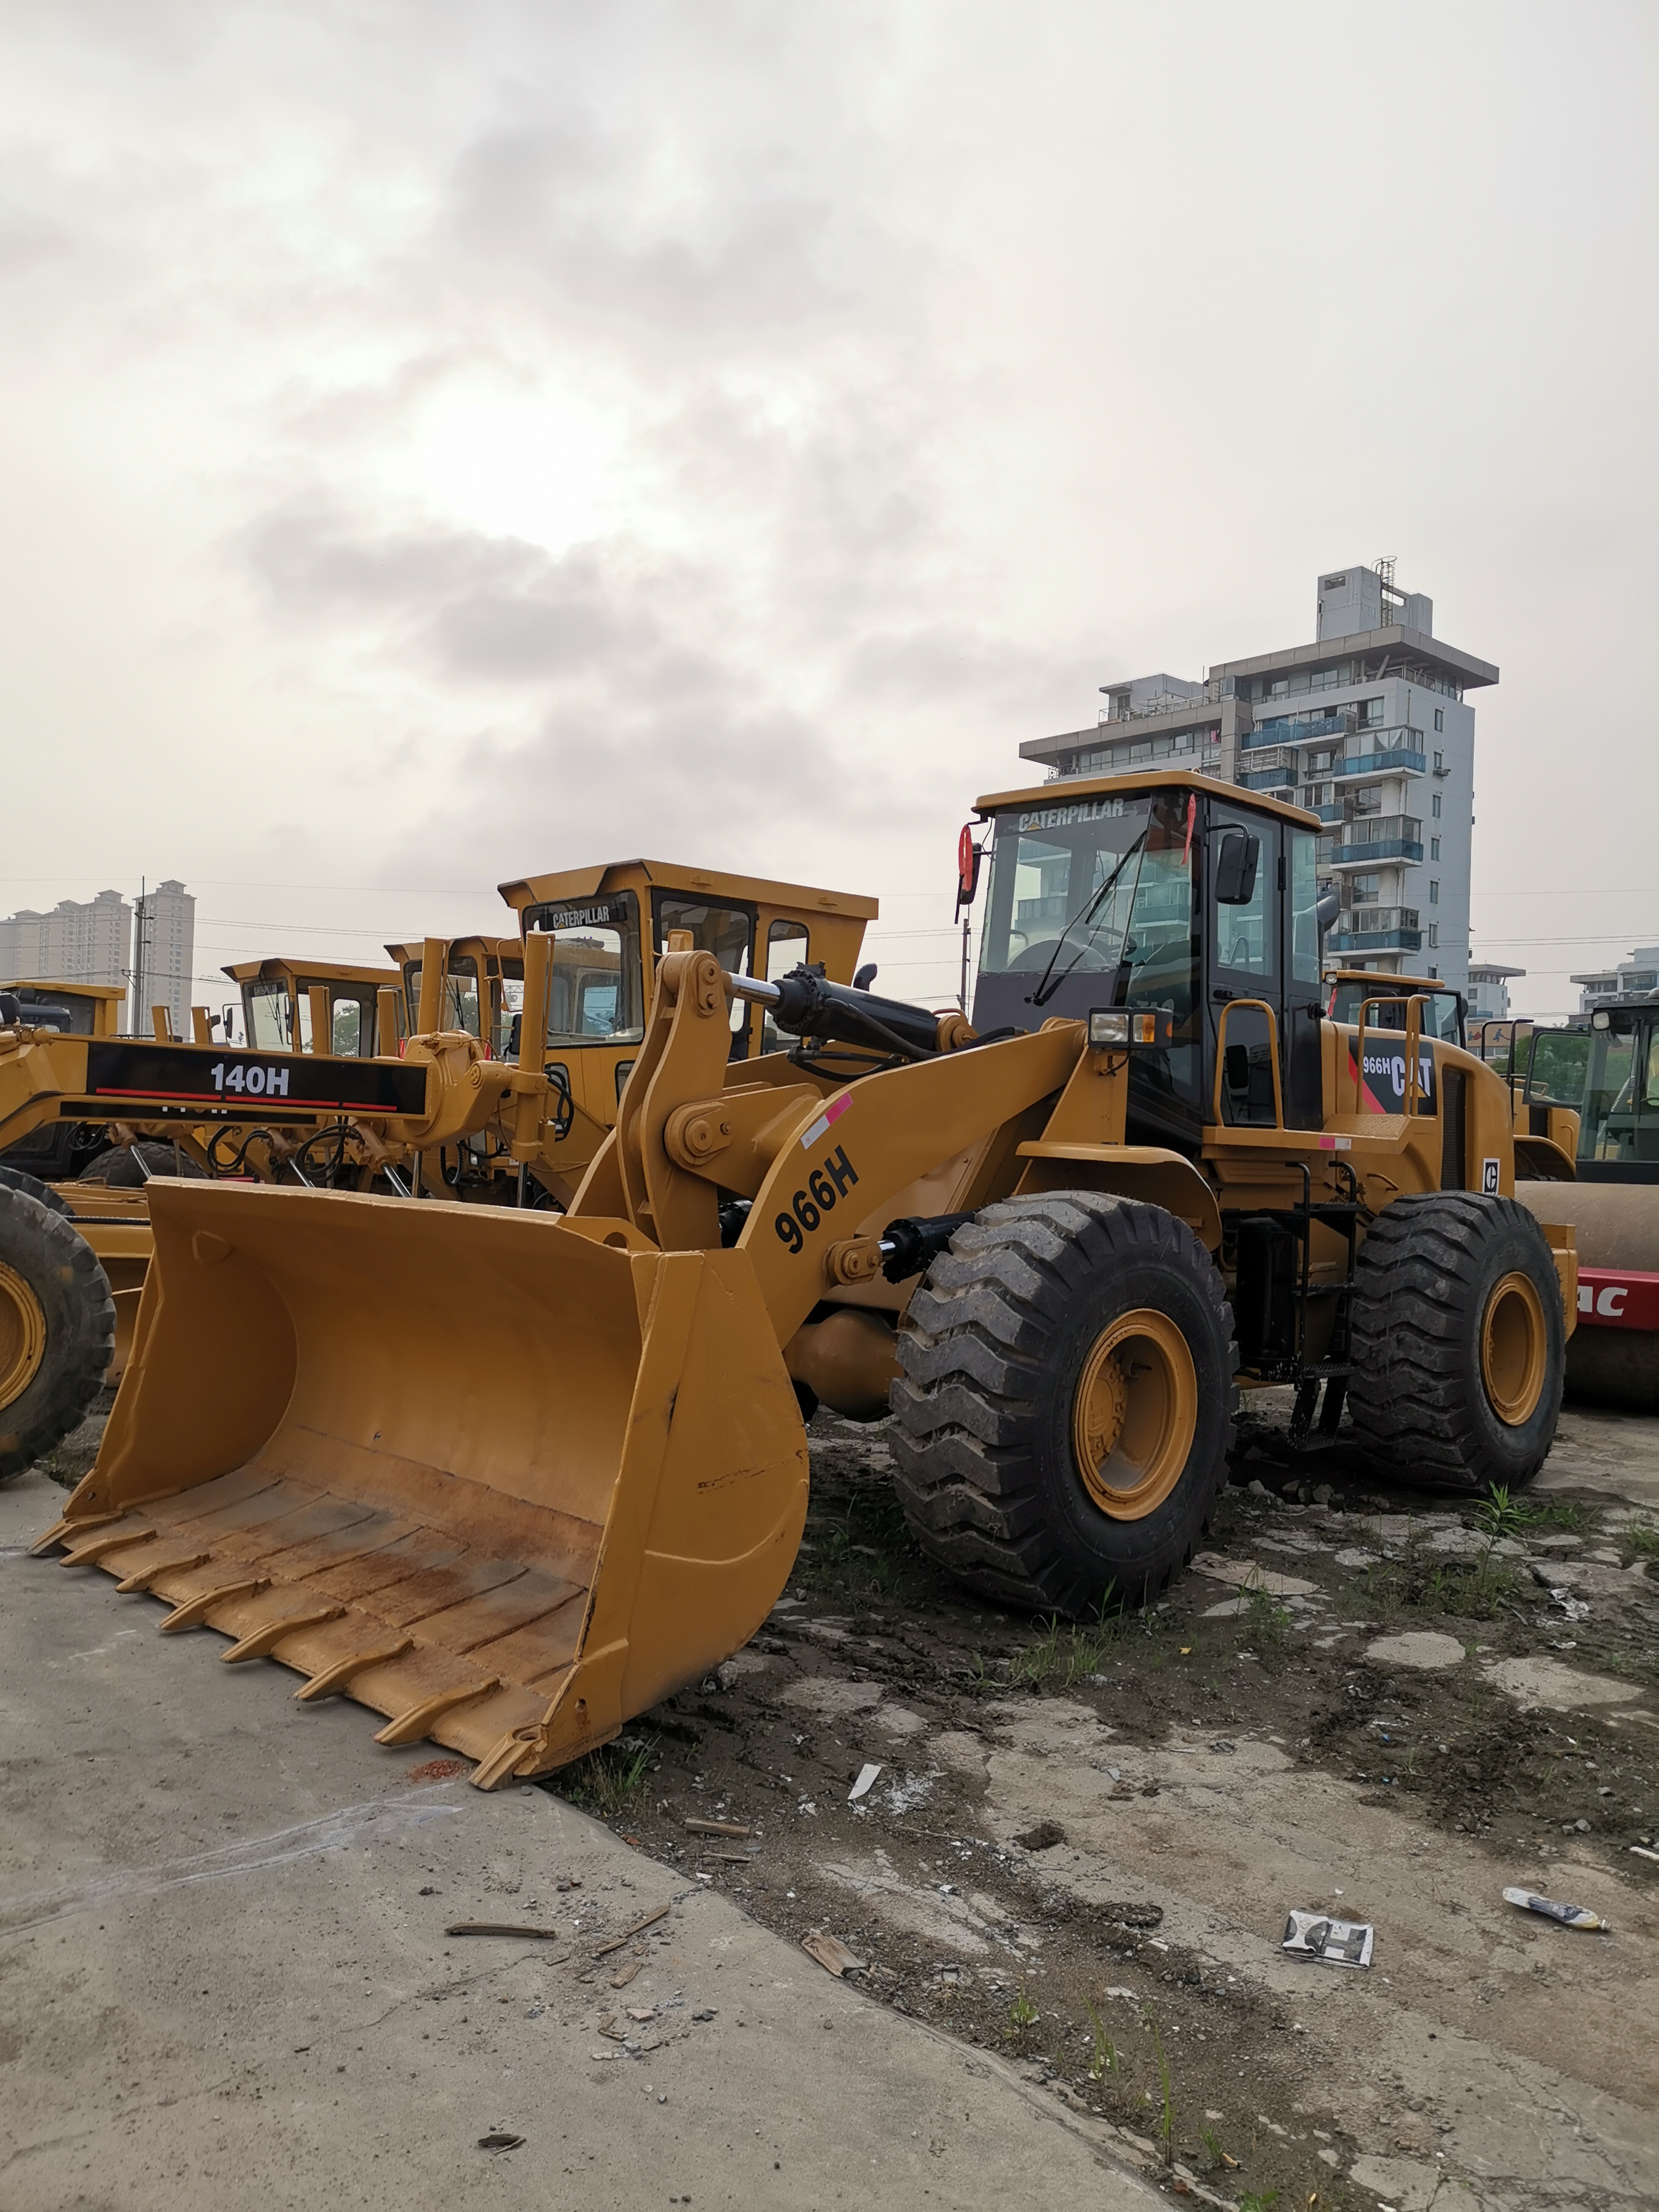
1245, 941
1304, 1052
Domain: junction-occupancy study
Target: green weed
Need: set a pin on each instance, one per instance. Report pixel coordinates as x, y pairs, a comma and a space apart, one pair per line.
1258, 2200
1022, 2014
1105, 2058
1498, 1514
1066, 1654
1266, 1620
607, 1780
1642, 1540
1213, 2150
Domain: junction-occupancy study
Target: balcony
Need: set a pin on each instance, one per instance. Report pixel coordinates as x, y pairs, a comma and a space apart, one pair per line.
1275, 773
1336, 812
1289, 730
1375, 837
1376, 929
1397, 751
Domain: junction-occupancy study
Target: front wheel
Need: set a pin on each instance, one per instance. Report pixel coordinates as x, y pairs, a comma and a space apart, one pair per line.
57, 1330
1459, 1341
1065, 1407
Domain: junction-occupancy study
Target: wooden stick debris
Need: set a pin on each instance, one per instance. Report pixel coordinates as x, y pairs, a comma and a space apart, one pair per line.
697, 1826
500, 1928
627, 1934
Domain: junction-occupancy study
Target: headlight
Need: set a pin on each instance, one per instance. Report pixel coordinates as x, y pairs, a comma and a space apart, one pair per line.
1116, 1029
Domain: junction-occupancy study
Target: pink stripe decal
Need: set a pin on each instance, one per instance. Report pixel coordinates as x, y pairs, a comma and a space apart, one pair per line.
831, 1114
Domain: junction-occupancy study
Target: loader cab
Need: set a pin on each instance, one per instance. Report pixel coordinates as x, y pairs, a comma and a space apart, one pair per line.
1172, 892
612, 925
1349, 988
281, 1000
1607, 1071
72, 1009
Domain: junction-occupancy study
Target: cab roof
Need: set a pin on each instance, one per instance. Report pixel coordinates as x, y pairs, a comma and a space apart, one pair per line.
675, 876
278, 970
65, 990
1061, 793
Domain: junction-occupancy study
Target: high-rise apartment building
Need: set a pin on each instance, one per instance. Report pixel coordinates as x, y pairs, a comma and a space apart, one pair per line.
1489, 990
164, 956
78, 941
1368, 727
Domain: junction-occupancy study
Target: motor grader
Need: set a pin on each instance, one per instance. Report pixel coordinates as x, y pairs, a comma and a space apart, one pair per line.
74, 1254
508, 1478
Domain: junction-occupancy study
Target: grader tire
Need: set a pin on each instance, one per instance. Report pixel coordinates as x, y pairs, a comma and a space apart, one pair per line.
1459, 1345
1062, 1422
57, 1330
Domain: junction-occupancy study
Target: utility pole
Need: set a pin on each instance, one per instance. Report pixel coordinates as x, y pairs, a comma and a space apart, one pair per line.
139, 965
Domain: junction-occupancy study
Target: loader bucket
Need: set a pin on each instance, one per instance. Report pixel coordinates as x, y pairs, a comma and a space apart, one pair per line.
506, 1481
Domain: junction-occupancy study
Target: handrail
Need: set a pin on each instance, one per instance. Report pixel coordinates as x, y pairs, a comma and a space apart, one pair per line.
1272, 1040
1414, 1005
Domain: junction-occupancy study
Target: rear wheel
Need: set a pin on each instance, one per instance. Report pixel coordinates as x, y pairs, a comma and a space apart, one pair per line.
57, 1330
1459, 1342
1064, 1412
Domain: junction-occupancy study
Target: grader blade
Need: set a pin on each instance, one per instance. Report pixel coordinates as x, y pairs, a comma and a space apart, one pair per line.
505, 1481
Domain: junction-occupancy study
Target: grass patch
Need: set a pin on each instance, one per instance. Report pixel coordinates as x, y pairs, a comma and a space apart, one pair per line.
1501, 1514
1022, 2017
1265, 1620
1641, 1540
1067, 1652
608, 1780
1105, 2057
1166, 2112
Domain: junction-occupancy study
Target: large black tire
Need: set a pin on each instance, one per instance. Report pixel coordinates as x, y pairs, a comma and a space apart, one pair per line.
57, 1330
120, 1167
1437, 1397
32, 1187
1001, 1338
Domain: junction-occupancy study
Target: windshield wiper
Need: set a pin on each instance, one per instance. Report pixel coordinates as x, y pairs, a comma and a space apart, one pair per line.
1044, 990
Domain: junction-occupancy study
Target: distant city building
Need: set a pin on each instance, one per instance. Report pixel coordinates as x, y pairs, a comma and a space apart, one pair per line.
164, 956
79, 941
1367, 727
1489, 990
1623, 980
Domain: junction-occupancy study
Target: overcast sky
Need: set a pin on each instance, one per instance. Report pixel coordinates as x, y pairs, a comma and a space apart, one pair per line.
445, 442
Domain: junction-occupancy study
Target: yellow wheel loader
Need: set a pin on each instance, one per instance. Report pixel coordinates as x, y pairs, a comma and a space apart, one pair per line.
508, 1478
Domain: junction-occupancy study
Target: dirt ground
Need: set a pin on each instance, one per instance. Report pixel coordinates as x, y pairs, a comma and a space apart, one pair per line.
1081, 1844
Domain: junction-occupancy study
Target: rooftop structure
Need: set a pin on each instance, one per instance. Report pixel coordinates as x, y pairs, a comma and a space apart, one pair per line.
1625, 979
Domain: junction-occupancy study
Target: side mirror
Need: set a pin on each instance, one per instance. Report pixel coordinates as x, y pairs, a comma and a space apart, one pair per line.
1236, 862
968, 856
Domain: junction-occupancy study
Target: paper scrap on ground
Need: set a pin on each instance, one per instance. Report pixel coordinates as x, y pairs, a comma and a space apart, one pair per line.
866, 1783
831, 1954
1337, 1942
1570, 1916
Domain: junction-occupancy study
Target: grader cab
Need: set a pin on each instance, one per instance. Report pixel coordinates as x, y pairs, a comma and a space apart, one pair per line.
508, 1478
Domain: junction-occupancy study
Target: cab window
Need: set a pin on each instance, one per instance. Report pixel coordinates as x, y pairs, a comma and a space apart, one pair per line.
269, 1018
593, 984
788, 945
728, 931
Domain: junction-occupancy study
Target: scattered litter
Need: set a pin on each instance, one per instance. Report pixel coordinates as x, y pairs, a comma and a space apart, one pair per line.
1117, 1990
1337, 1942
499, 2139
627, 1934
732, 1858
1570, 1916
1222, 1743
501, 1928
1643, 1854
625, 1974
695, 1826
1043, 1838
866, 1783
832, 1954
438, 1770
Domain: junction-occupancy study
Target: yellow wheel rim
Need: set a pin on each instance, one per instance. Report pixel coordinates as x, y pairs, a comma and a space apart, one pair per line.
23, 1335
1513, 1349
1135, 1415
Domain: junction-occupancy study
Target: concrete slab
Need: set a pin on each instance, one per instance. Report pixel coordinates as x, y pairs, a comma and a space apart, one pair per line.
226, 1979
